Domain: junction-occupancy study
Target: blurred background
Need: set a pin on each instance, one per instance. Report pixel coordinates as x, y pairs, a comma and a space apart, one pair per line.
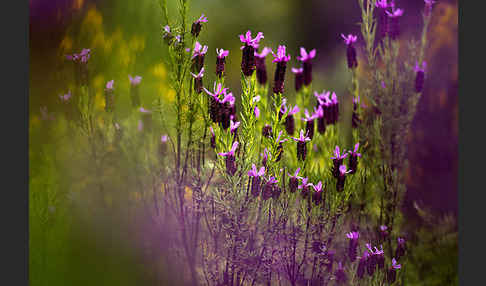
125, 38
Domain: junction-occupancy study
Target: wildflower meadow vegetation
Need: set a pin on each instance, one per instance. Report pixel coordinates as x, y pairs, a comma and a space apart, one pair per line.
270, 182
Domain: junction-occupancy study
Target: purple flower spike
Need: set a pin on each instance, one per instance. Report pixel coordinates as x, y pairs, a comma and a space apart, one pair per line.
256, 179
393, 28
196, 26
392, 271
341, 277
109, 85
302, 137
267, 131
420, 76
304, 187
363, 261
198, 56
230, 159
337, 161
400, 251
281, 59
293, 181
290, 121
353, 245
395, 264
309, 123
269, 188
353, 159
317, 196
306, 59
65, 97
301, 145
199, 50
428, 7
248, 53
265, 156
351, 50
261, 68
220, 61
234, 126
198, 83
135, 80
299, 78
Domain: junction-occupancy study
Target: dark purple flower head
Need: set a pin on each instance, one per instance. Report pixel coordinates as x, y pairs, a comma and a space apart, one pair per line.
401, 241
264, 53
428, 7
248, 41
199, 75
281, 55
395, 265
199, 50
420, 76
231, 152
341, 277
222, 53
302, 137
293, 180
196, 26
299, 78
304, 187
393, 26
256, 173
304, 56
383, 227
351, 50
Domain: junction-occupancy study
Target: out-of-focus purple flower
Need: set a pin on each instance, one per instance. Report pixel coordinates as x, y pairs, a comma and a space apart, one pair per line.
293, 180
234, 126
220, 61
65, 97
363, 261
256, 111
317, 195
353, 159
261, 68
196, 26
135, 80
309, 123
269, 188
109, 85
420, 76
341, 276
380, 257
256, 179
290, 121
198, 83
304, 187
392, 271
301, 145
167, 35
248, 53
267, 130
338, 159
393, 24
213, 138
230, 159
353, 245
341, 178
306, 59
281, 58
198, 56
321, 119
400, 251
351, 50
265, 156
382, 6
280, 146
428, 7
299, 78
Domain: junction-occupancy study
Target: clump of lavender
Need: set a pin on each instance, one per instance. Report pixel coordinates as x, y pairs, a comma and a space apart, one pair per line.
393, 23
392, 271
268, 188
337, 161
281, 58
306, 59
353, 245
196, 26
230, 159
248, 54
340, 274
309, 124
109, 96
299, 78
317, 194
261, 68
198, 55
419, 76
351, 50
301, 145
220, 61
341, 178
294, 181
353, 159
134, 93
198, 83
400, 251
256, 179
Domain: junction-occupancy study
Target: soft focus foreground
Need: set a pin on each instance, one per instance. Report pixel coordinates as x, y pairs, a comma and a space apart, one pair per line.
178, 156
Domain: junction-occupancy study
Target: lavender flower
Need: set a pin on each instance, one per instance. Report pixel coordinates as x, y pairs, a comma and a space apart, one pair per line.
268, 188
198, 83
317, 195
363, 262
281, 59
109, 96
428, 7
248, 54
334, 108
196, 26
384, 231
215, 109
227, 107
400, 251
167, 35
299, 78
135, 80
342, 177
371, 265
163, 145
353, 159
309, 124
256, 111
382, 6
355, 120
146, 118
353, 245
256, 179
321, 120
220, 61
230, 159
351, 50
198, 56
280, 146
265, 156
134, 94
338, 161
234, 126
341, 276
330, 260
65, 97
420, 76
261, 69
393, 24
380, 257
392, 271
267, 131
306, 59
301, 145
290, 121
304, 187
293, 181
